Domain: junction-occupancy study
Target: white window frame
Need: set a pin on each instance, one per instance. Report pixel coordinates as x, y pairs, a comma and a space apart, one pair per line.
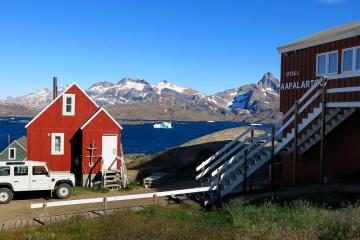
353, 68
72, 96
53, 148
327, 54
10, 158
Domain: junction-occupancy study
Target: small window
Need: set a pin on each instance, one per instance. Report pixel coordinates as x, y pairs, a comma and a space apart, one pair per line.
348, 60
358, 59
12, 153
333, 63
57, 143
4, 171
39, 170
69, 104
21, 171
351, 59
327, 63
321, 65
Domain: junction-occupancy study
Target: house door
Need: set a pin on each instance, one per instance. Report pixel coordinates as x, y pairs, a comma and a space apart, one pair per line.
109, 151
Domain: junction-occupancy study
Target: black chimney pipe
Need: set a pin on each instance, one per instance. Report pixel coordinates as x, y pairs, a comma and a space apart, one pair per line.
55, 90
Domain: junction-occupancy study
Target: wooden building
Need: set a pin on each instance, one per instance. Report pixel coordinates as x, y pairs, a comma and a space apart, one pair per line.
73, 134
322, 71
15, 151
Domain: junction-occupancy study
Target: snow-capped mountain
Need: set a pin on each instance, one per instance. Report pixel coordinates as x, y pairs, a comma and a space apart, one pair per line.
138, 99
135, 90
35, 100
254, 98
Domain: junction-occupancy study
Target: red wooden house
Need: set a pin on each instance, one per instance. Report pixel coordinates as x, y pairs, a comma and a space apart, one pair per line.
64, 133
328, 145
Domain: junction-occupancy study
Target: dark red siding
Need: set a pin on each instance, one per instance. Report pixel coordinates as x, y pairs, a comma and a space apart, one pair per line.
342, 157
101, 125
52, 121
304, 61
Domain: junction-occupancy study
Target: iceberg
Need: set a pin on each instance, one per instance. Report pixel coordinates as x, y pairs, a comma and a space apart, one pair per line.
165, 125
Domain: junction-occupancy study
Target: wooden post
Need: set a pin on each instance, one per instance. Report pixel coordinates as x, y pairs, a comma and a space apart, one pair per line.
323, 129
218, 185
295, 150
46, 214
250, 183
245, 170
272, 153
105, 206
250, 177
155, 199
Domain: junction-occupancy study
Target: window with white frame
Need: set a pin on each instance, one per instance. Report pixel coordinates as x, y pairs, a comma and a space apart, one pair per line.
12, 153
327, 63
57, 143
69, 104
351, 59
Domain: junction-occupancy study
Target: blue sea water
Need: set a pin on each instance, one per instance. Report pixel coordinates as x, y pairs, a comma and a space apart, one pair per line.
136, 138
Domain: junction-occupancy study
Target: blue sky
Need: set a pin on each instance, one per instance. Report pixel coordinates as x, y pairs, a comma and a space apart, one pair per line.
204, 44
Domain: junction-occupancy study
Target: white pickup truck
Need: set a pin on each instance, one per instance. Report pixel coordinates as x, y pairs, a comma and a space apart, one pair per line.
23, 176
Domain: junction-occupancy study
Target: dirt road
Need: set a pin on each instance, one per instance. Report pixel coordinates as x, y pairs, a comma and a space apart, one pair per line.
19, 208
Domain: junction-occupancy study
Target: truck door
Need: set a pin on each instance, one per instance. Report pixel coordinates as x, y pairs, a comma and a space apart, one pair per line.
40, 179
21, 178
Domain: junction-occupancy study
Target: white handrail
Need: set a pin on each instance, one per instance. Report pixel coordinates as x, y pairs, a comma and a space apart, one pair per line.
242, 152
307, 93
238, 164
214, 164
301, 99
223, 149
308, 102
119, 198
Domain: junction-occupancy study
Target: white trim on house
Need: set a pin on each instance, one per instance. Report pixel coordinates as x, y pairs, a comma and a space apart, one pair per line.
95, 114
53, 101
54, 151
343, 105
9, 154
327, 56
65, 104
344, 75
315, 42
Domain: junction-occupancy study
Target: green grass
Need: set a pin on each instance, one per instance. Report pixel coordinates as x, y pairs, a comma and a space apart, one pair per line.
84, 190
269, 219
132, 186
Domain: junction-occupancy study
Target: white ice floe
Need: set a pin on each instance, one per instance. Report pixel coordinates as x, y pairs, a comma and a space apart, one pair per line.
164, 125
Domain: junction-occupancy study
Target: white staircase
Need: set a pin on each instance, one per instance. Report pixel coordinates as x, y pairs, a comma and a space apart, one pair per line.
115, 179
111, 179
226, 170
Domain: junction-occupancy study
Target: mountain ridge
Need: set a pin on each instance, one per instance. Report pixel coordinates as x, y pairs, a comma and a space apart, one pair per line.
138, 99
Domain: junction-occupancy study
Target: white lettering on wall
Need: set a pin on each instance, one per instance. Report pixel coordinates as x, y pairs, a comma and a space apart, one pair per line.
292, 73
298, 85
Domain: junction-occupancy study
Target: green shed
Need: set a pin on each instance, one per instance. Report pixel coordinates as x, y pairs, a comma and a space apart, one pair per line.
15, 151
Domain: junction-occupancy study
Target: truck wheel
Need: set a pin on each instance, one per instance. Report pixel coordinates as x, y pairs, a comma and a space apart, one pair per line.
6, 195
63, 191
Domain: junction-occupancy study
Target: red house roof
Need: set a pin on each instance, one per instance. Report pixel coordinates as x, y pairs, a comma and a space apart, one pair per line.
53, 101
97, 113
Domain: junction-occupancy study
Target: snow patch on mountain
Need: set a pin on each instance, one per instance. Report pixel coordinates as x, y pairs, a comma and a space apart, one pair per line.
166, 85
